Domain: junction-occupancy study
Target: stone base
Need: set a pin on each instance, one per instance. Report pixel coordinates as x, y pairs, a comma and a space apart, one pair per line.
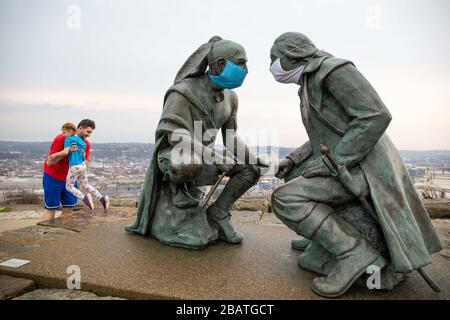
116, 263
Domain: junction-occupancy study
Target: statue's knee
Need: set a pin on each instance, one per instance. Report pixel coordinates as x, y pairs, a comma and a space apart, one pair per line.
181, 169
277, 200
250, 175
182, 173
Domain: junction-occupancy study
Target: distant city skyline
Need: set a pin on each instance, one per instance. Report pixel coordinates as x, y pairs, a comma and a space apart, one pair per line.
112, 61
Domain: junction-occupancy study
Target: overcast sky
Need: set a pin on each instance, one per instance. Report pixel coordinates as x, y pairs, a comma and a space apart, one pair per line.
112, 61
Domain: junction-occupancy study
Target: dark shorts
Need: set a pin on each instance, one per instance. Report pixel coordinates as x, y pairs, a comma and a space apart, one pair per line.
56, 194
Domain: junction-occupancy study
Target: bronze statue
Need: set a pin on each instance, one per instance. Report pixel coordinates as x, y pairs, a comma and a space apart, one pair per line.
352, 200
201, 99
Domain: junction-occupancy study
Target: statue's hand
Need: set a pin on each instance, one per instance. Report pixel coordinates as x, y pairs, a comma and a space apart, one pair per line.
284, 166
262, 163
225, 167
316, 168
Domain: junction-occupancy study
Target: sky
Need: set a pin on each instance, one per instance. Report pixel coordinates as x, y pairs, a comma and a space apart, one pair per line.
112, 61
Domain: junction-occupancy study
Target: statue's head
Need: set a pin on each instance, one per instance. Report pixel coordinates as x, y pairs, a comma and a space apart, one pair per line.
225, 50
293, 48
227, 63
224, 61
289, 55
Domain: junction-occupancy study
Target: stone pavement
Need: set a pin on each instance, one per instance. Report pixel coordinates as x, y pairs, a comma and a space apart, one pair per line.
21, 216
116, 263
11, 287
61, 294
29, 238
25, 289
20, 231
14, 224
82, 219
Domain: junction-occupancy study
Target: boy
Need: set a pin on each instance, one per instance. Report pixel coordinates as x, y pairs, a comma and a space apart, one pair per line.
77, 167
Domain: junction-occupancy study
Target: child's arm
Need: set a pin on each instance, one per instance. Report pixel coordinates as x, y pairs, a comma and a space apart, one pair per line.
60, 154
51, 161
64, 152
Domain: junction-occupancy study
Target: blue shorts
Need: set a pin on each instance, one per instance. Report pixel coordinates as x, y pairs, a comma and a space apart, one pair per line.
56, 194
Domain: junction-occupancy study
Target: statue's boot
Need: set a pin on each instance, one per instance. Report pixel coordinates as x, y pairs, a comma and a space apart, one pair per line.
316, 259
353, 253
222, 220
300, 244
219, 212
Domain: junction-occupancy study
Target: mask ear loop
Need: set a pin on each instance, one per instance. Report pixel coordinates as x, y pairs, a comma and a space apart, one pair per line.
312, 57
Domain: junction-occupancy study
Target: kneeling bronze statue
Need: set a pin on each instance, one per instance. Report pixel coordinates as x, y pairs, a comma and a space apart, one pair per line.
198, 104
348, 193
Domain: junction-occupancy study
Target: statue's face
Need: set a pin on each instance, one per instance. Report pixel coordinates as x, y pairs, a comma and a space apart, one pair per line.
287, 63
218, 66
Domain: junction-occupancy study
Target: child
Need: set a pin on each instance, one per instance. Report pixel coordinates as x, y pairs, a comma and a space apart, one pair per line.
77, 167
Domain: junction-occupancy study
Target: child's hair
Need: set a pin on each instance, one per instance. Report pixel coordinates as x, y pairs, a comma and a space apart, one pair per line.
69, 126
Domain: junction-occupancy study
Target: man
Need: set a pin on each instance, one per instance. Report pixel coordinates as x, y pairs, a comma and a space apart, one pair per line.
340, 109
55, 174
200, 99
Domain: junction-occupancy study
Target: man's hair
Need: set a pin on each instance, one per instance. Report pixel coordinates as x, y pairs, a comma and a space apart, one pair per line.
85, 123
68, 126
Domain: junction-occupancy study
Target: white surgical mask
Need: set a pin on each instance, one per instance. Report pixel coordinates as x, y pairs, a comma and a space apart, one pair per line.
283, 76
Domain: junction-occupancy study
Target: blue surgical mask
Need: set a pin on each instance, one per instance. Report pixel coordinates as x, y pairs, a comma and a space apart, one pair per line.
232, 76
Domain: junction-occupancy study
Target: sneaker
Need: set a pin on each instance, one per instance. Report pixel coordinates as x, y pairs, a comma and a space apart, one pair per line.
88, 201
105, 202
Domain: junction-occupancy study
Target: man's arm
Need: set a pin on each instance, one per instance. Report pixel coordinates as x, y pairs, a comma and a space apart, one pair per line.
295, 158
368, 119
